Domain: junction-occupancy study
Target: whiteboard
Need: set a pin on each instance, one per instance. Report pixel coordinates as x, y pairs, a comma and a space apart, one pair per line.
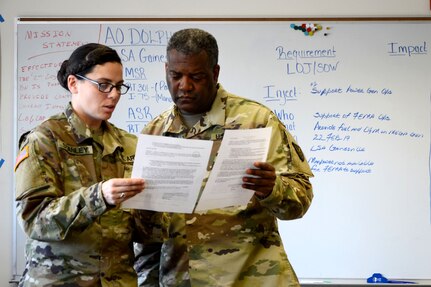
356, 96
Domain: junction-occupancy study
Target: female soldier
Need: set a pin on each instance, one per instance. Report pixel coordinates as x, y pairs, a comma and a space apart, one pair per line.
71, 176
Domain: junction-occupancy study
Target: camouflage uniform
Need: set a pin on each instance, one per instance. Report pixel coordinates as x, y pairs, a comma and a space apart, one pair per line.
238, 246
74, 237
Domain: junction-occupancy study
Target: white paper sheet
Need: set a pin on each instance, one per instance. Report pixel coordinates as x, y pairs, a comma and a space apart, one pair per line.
238, 151
173, 169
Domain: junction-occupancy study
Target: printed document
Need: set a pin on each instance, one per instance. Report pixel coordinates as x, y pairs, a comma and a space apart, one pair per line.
174, 169
238, 151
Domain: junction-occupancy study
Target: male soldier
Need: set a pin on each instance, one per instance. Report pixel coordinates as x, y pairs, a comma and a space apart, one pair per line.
238, 246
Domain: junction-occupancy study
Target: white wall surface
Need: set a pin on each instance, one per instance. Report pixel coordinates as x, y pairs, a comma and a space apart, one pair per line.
11, 9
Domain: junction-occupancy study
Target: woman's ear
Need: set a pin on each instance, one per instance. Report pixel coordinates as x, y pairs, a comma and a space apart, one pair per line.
72, 84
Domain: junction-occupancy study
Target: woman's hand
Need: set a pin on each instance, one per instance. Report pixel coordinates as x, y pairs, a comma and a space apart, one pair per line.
117, 190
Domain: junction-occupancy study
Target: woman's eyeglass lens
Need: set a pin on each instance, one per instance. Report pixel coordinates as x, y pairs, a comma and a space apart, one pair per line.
106, 87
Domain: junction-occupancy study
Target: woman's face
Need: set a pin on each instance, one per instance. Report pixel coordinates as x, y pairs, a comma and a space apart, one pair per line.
91, 105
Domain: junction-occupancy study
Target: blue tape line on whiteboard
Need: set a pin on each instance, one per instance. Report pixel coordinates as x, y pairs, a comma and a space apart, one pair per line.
1, 19
1, 162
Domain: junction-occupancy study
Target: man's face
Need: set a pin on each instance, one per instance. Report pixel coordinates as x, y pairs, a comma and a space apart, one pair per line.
192, 81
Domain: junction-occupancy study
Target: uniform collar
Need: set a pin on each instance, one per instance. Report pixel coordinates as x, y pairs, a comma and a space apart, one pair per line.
214, 117
83, 133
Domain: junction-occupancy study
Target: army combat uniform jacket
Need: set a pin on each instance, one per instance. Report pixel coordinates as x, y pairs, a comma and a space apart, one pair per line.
74, 238
238, 246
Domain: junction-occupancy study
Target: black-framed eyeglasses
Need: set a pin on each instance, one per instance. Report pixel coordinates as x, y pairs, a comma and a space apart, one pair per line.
106, 87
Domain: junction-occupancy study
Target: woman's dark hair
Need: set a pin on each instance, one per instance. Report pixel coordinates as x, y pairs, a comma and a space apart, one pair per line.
83, 60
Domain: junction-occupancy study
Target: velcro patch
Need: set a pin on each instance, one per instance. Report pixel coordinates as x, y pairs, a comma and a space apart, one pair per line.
23, 154
76, 150
299, 151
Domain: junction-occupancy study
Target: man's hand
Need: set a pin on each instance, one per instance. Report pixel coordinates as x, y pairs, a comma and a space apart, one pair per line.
262, 180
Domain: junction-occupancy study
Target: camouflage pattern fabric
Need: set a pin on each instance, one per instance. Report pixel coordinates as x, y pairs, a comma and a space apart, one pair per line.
74, 238
238, 246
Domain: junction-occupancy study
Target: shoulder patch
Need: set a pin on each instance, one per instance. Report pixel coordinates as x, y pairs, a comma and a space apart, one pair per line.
299, 151
23, 154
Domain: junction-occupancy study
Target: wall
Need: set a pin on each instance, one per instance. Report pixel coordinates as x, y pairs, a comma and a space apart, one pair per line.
10, 9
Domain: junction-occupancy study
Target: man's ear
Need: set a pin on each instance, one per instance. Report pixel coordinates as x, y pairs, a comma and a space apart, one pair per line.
216, 72
72, 84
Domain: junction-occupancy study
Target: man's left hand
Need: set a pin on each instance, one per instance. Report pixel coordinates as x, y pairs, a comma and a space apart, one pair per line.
262, 180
